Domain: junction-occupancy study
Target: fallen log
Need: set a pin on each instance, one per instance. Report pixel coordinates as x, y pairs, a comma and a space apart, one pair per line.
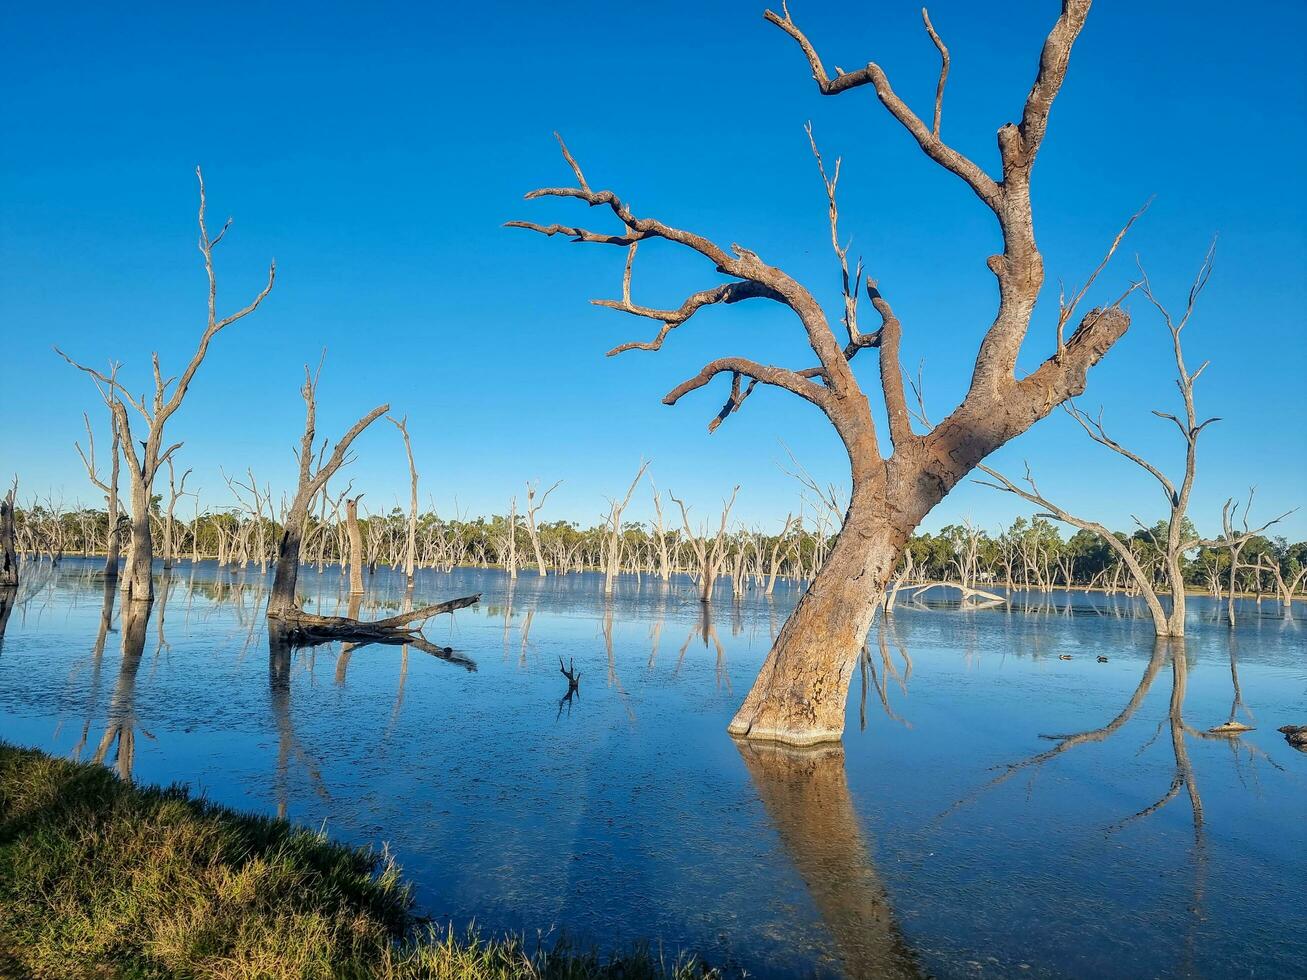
967, 591
302, 628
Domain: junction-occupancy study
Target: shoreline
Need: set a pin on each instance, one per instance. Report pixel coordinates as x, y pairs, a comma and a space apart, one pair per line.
148, 881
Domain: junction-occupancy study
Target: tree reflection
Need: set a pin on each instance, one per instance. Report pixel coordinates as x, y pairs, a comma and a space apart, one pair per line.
8, 599
280, 653
806, 795
879, 679
705, 631
120, 723
282, 645
97, 660
1183, 781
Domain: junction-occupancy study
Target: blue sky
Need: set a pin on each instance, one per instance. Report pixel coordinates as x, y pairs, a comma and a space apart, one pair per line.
376, 152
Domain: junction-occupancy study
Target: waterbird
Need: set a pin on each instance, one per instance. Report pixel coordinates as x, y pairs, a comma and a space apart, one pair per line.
1102, 659
1064, 656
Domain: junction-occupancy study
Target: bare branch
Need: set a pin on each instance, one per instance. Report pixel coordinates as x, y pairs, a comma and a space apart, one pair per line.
984, 186
727, 293
791, 381
1066, 310
1094, 428
576, 234
943, 69
571, 162
733, 402
739, 262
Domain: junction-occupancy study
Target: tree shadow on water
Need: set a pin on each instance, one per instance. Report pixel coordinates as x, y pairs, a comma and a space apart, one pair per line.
805, 793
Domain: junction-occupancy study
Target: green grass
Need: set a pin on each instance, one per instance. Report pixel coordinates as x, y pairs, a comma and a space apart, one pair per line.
99, 878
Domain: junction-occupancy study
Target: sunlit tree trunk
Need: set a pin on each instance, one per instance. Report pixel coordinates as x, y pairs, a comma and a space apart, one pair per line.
355, 545
800, 693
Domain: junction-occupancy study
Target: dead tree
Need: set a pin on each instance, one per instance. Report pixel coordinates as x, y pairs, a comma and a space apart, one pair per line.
782, 540
1285, 588
1234, 542
8, 541
143, 463
508, 549
532, 529
802, 688
256, 525
286, 621
355, 545
1177, 543
108, 487
176, 489
411, 553
709, 555
613, 558
314, 474
660, 536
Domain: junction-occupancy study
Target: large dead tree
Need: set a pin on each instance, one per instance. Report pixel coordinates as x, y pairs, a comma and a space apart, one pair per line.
144, 457
286, 621
1178, 541
802, 689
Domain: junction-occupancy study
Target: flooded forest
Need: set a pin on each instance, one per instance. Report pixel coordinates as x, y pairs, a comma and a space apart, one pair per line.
929, 709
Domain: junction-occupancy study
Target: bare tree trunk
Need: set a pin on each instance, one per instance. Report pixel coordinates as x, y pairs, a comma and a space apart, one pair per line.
8, 546
355, 545
109, 488
175, 490
511, 541
411, 553
533, 530
195, 533
282, 603
800, 695
137, 583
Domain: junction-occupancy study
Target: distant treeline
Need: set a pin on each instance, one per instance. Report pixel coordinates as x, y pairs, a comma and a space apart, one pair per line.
1030, 554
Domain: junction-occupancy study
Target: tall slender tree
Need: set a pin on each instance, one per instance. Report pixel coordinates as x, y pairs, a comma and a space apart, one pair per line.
144, 457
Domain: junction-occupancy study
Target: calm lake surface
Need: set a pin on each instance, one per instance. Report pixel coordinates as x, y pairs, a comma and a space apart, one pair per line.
949, 836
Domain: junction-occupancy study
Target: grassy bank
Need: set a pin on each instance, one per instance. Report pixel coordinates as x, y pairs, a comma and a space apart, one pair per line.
99, 878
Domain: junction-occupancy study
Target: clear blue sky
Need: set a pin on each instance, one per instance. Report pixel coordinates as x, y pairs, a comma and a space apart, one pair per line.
375, 153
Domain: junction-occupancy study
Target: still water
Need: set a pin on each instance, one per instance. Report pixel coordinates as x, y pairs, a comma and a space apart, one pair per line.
994, 810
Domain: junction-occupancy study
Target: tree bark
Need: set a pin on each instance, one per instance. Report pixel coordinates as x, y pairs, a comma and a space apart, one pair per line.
137, 581
8, 547
286, 575
355, 546
802, 689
